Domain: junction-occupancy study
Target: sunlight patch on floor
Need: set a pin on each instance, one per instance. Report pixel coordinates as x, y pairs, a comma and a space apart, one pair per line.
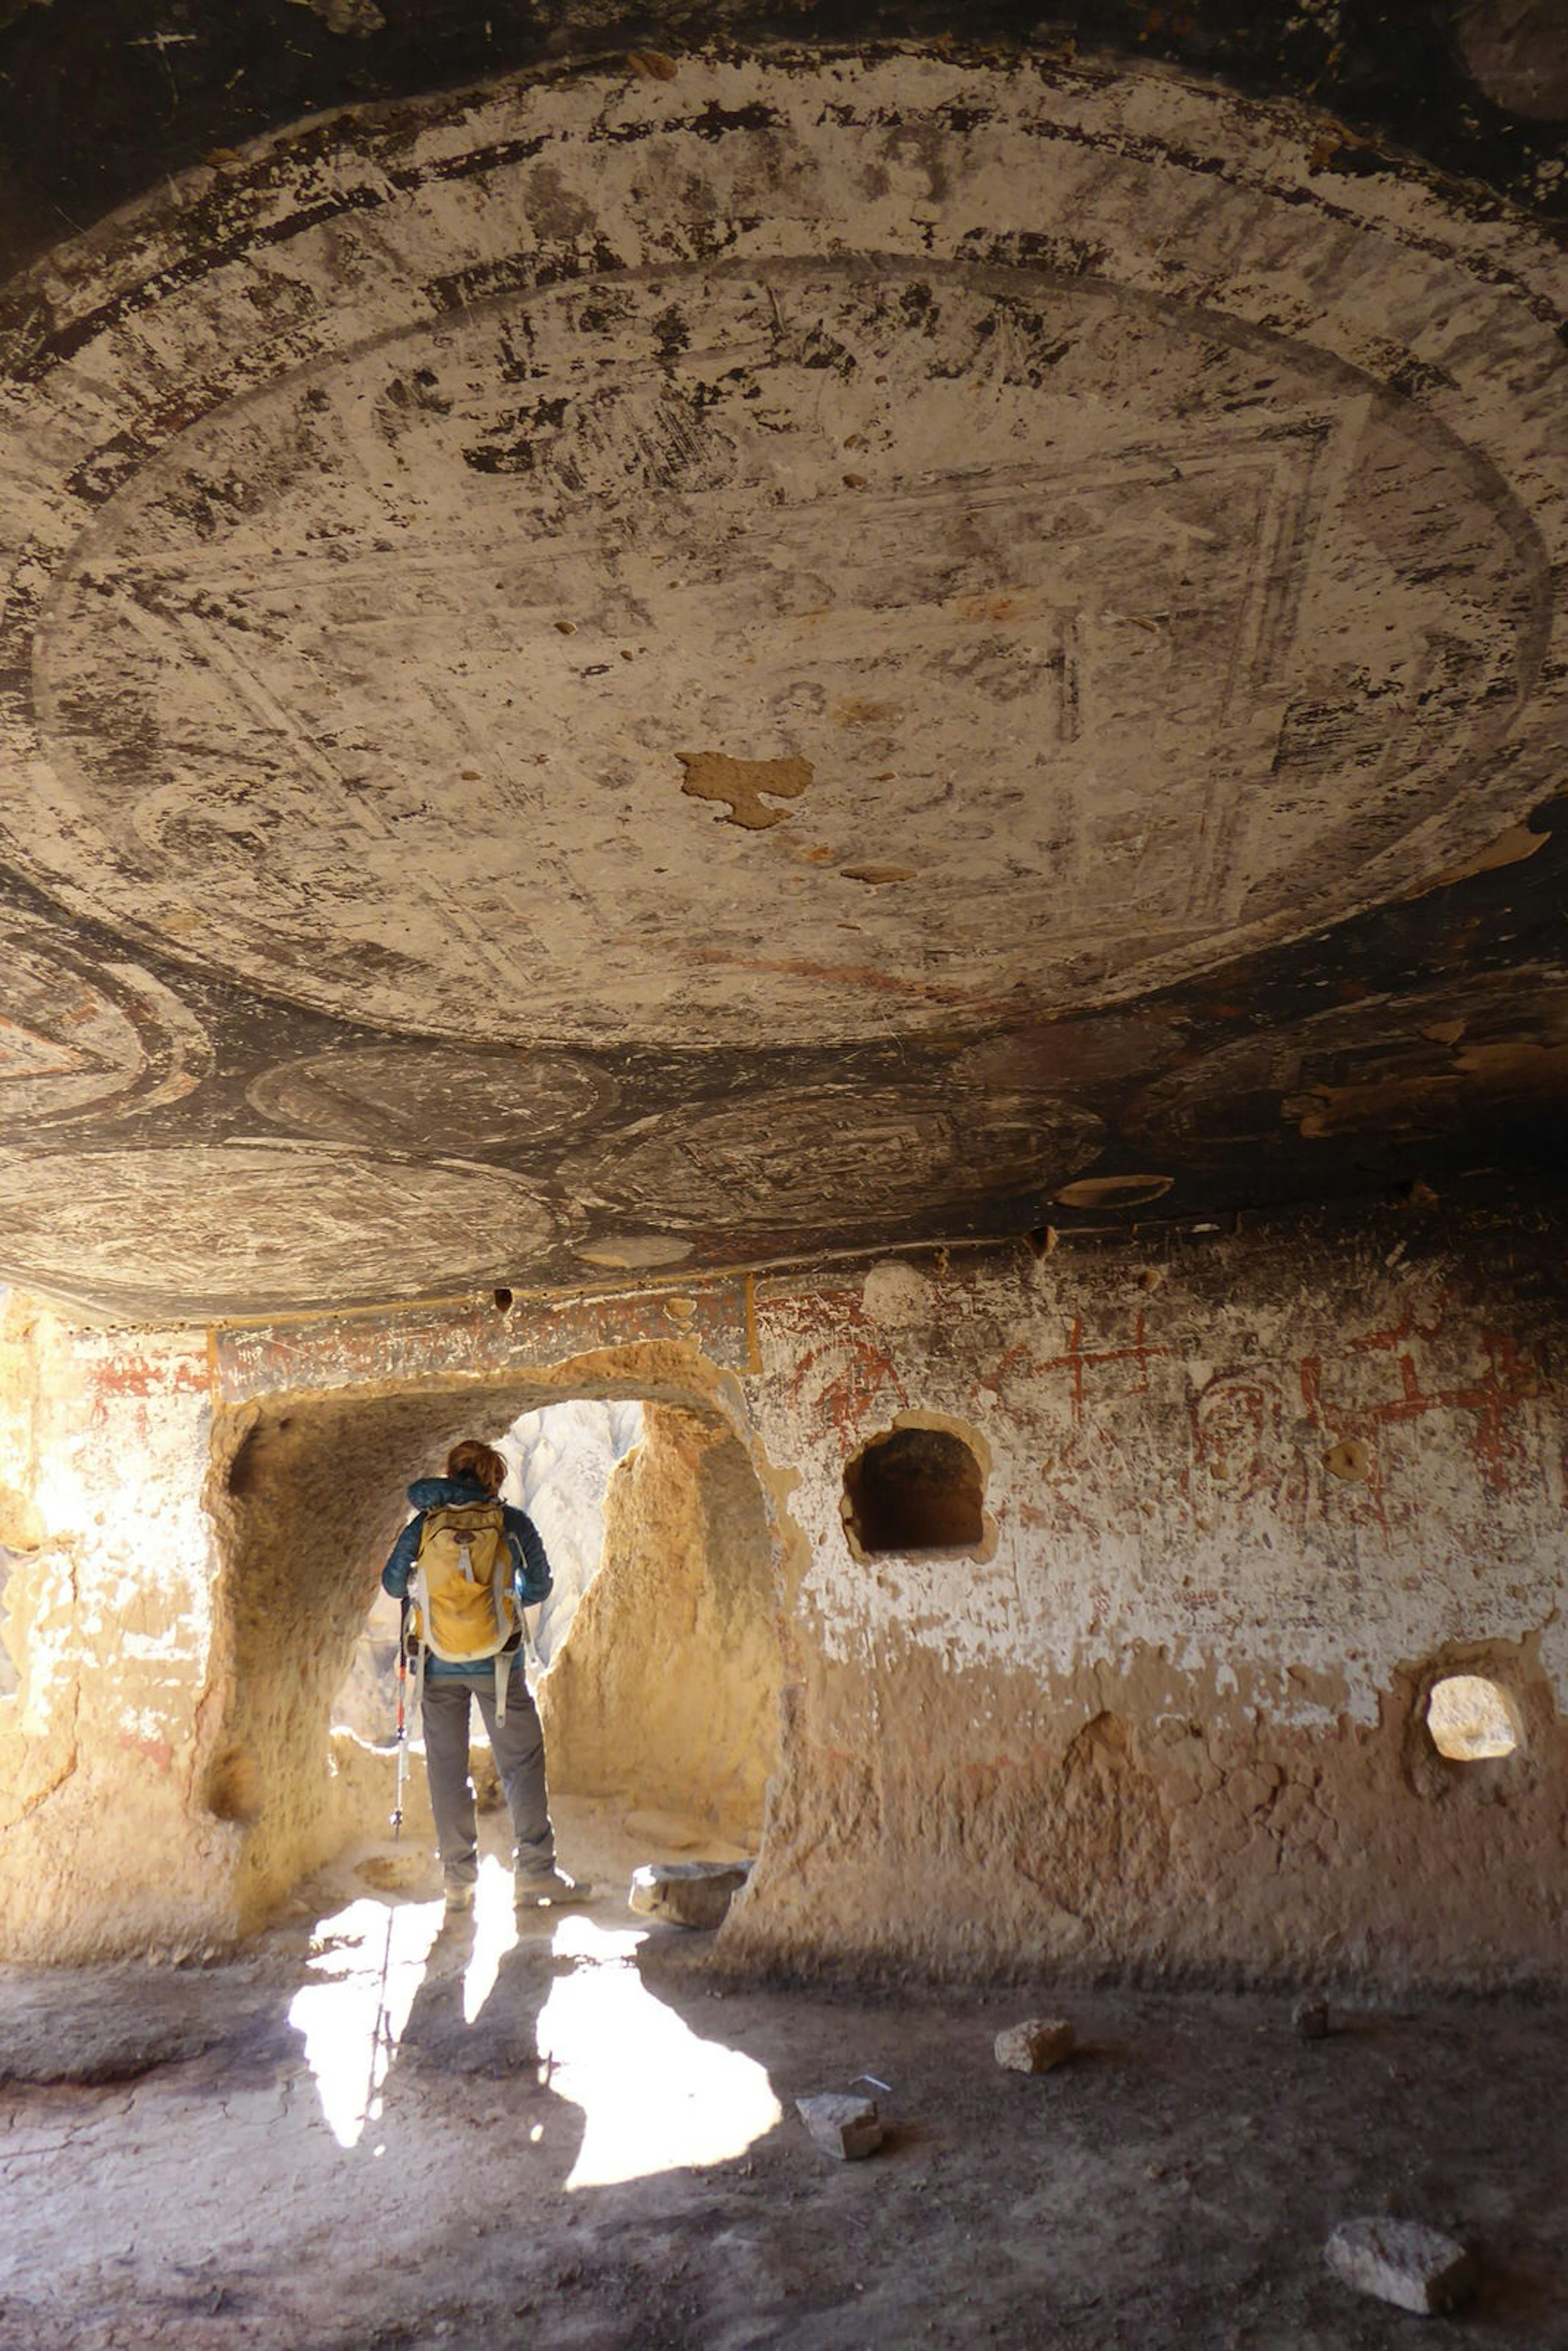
368, 1963
495, 1934
654, 2097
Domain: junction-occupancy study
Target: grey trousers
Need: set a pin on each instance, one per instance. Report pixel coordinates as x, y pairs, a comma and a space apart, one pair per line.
519, 1747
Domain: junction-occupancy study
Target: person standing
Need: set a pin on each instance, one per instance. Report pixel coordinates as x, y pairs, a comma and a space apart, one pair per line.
475, 1563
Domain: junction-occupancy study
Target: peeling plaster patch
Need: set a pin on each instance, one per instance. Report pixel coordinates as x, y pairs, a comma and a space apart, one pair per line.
1385, 1067
1511, 847
628, 1252
739, 784
1114, 1191
171, 1644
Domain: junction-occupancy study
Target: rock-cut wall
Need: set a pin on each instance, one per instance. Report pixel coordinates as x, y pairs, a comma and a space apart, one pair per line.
1245, 1502
1115, 1649
667, 1691
108, 1838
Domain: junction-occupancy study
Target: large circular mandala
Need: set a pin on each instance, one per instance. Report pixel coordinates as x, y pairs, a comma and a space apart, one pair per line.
247, 1228
832, 1158
588, 562
80, 1039
434, 1097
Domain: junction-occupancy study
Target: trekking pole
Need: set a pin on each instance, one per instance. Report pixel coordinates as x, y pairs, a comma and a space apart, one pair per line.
381, 2033
401, 1722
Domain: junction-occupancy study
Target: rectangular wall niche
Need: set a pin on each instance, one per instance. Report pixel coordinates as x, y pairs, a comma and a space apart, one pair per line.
914, 1490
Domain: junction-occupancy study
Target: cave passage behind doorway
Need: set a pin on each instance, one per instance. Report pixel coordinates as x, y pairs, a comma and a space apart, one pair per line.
662, 1696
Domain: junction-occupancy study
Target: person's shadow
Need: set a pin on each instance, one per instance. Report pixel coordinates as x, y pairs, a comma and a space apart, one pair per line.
474, 2019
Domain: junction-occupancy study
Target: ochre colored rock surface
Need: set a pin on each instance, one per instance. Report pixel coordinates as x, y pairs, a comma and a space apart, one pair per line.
1172, 1713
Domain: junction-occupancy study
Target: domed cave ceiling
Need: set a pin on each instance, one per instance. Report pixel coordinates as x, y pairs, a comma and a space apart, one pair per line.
703, 661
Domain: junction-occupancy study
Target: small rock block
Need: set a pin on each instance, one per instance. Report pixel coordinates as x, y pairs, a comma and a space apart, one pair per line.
844, 2125
1311, 2019
1403, 2262
1036, 2045
688, 1893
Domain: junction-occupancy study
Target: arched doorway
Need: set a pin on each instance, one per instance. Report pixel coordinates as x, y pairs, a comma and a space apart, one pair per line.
665, 1694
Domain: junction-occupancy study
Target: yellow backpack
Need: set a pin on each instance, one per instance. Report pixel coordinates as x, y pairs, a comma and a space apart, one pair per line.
464, 1605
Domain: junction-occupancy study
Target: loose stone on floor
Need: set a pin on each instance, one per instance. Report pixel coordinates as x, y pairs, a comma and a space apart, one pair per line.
1402, 2262
688, 1893
841, 2124
1036, 2045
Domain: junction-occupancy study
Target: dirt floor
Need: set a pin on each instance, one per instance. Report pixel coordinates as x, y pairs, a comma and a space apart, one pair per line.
376, 2129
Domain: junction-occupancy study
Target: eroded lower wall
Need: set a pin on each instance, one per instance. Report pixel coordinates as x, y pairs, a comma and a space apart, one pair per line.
1248, 1499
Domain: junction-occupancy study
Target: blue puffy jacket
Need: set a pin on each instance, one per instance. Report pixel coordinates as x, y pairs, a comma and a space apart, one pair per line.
531, 1577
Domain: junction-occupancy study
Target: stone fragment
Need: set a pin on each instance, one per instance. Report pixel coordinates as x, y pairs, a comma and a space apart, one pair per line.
844, 2125
1036, 2045
1402, 2262
1310, 2017
688, 1893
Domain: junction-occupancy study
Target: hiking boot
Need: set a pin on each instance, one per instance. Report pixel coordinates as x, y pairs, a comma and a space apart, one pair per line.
546, 1888
459, 1896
